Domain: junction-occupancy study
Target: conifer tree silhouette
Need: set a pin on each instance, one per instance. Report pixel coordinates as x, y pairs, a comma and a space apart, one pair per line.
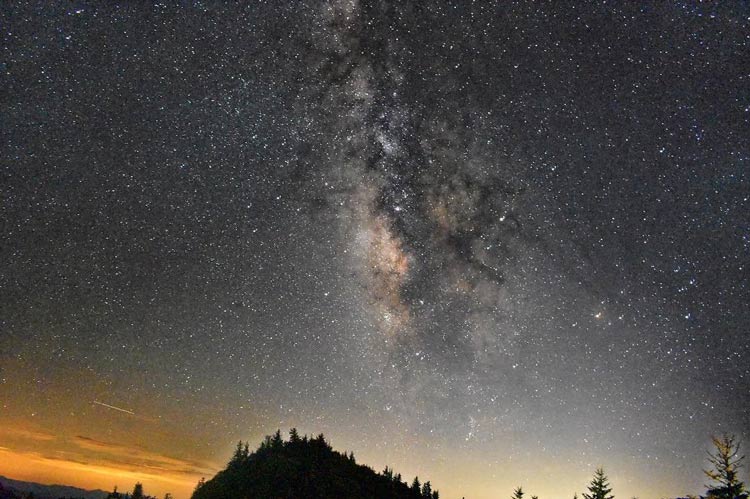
138, 491
237, 456
726, 462
293, 436
599, 487
388, 473
416, 486
277, 441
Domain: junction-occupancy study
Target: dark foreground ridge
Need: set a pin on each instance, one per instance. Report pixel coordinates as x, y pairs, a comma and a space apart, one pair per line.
18, 489
304, 468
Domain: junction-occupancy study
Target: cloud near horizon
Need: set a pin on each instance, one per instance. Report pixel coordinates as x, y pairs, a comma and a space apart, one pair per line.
26, 434
138, 457
75, 469
37, 455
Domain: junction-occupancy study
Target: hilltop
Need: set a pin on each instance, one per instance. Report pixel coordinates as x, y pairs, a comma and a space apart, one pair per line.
307, 468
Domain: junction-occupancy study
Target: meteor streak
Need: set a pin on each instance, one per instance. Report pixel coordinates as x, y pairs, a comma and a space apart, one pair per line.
113, 407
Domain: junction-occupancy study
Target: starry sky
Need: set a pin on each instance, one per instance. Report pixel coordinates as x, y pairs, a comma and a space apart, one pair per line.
489, 243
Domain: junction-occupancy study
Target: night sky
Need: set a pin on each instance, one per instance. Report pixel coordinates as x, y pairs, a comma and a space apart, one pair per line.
491, 244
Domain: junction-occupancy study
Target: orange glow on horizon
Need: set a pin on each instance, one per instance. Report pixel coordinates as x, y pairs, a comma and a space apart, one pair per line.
92, 464
37, 456
34, 467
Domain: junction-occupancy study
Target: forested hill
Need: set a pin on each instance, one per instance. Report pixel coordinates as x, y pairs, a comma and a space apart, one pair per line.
307, 468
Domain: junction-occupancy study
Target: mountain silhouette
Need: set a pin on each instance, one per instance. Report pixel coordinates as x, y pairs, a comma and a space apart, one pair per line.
13, 489
304, 468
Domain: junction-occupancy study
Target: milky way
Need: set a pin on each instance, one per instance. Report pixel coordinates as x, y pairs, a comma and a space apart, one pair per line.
487, 244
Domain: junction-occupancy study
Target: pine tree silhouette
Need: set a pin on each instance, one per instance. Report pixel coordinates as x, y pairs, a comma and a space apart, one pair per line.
277, 441
294, 436
599, 487
416, 486
138, 491
388, 473
726, 462
237, 456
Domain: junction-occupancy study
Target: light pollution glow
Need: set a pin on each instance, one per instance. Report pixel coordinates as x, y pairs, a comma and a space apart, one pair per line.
36, 455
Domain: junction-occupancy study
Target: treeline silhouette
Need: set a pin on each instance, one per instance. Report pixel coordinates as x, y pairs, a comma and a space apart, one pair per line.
137, 493
304, 467
309, 468
724, 471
